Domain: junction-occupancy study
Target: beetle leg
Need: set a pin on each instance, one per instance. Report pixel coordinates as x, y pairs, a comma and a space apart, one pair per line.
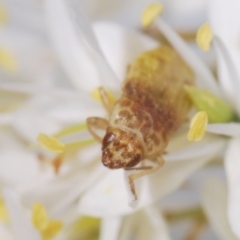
96, 122
134, 176
106, 101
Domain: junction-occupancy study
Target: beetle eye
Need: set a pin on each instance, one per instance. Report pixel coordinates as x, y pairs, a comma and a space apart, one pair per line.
109, 137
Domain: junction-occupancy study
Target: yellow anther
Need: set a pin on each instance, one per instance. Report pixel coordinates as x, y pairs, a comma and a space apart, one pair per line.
97, 95
7, 61
3, 14
150, 13
51, 143
3, 211
48, 228
204, 37
39, 217
53, 228
86, 228
198, 126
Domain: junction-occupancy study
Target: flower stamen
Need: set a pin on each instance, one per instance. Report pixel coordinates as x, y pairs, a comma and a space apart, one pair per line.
198, 126
96, 94
71, 130
3, 14
62, 149
57, 163
3, 211
51, 143
204, 37
86, 228
7, 61
80, 144
48, 228
150, 13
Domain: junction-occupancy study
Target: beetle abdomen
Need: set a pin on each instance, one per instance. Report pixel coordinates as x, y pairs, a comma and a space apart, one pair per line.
154, 104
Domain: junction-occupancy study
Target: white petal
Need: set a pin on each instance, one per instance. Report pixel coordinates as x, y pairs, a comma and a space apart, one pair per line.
129, 223
77, 47
23, 228
17, 165
127, 45
125, 12
188, 194
214, 199
48, 114
109, 196
156, 227
34, 59
20, 168
6, 233
76, 112
185, 15
110, 228
6, 119
232, 67
204, 76
228, 129
182, 14
179, 229
193, 150
225, 81
145, 224
24, 14
48, 92
9, 101
60, 193
232, 164
30, 122
224, 19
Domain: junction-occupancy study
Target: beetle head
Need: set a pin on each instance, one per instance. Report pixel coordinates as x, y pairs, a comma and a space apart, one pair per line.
121, 149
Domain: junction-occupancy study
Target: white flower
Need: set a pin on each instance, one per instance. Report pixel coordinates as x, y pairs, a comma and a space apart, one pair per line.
147, 224
23, 56
183, 15
86, 187
83, 60
214, 198
21, 225
224, 20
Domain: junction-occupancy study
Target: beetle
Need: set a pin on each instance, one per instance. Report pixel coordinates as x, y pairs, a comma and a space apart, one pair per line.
152, 106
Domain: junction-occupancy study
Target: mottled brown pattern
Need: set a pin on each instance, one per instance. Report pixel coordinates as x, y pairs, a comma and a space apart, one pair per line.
128, 150
153, 105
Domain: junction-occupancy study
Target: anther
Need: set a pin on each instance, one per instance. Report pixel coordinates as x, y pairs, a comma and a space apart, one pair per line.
198, 126
150, 13
204, 37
